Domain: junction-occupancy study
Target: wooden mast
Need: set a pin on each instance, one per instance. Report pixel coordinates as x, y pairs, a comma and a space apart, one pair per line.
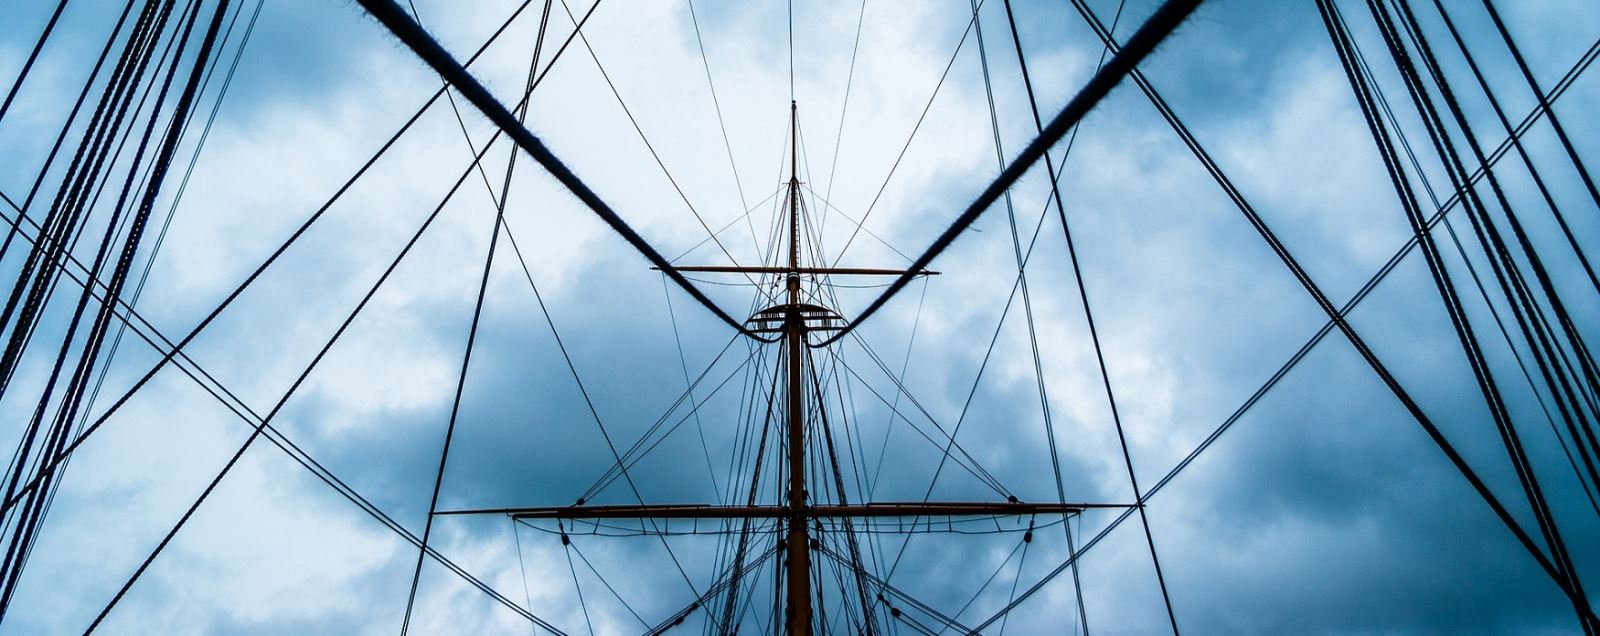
794, 320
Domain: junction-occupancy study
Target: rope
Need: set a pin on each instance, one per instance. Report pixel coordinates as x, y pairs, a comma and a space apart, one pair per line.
1416, 165
66, 127
33, 56
909, 138
1505, 124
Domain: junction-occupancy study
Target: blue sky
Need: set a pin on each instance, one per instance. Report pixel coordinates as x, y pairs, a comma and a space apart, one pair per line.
1324, 510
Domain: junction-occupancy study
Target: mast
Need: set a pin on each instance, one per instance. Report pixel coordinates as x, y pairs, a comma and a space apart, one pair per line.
799, 540
792, 319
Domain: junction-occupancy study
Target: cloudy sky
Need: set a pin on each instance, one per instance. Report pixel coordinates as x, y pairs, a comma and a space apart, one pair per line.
1325, 509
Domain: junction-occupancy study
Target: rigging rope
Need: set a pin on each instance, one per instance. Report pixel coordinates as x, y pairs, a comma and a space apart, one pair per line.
28, 520
76, 401
162, 162
33, 56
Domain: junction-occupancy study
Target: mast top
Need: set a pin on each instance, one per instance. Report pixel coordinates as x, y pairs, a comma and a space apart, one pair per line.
810, 317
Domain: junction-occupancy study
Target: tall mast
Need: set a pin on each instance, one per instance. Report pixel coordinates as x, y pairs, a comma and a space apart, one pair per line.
794, 203
793, 320
799, 540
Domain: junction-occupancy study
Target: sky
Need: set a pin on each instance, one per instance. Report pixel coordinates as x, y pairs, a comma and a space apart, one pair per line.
1324, 510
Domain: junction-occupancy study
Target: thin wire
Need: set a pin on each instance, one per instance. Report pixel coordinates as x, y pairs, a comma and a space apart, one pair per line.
607, 585
522, 567
844, 106
742, 217
566, 546
1027, 540
909, 138
716, 105
987, 582
853, 222
649, 146
683, 364
33, 56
